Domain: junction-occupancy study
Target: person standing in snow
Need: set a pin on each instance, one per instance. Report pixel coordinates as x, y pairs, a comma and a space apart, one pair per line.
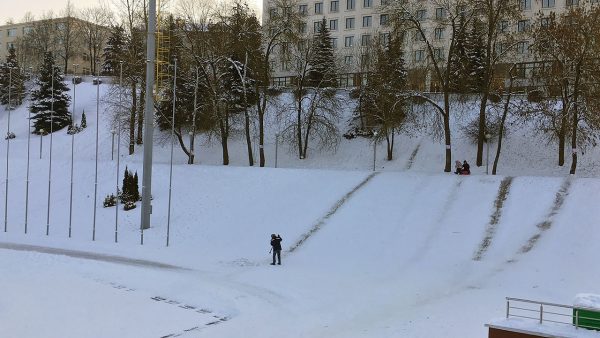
276, 247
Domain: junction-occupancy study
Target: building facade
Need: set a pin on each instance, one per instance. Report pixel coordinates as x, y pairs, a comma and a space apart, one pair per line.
356, 24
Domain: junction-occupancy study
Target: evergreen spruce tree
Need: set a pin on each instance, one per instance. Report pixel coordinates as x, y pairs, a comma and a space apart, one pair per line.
126, 192
135, 188
114, 51
11, 75
83, 120
459, 64
475, 56
323, 71
41, 99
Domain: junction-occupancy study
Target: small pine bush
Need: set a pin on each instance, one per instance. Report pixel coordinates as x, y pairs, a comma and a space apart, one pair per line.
110, 201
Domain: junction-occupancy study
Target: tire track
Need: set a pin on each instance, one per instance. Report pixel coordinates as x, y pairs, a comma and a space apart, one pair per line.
330, 213
492, 226
559, 200
412, 157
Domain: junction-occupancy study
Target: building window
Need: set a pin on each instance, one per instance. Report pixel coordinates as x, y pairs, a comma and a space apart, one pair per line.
438, 54
572, 3
420, 15
334, 6
348, 59
503, 26
302, 27
349, 23
384, 39
419, 36
349, 41
522, 47
12, 32
303, 9
525, 5
419, 55
523, 26
334, 43
548, 3
333, 25
27, 30
544, 22
500, 48
439, 33
367, 21
318, 8
383, 19
440, 13
273, 13
367, 3
317, 26
350, 4
365, 40
385, 2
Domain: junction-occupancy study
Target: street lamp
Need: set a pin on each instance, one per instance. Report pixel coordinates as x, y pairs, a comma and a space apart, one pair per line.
276, 147
374, 148
172, 143
487, 161
112, 147
72, 153
97, 131
8, 137
42, 131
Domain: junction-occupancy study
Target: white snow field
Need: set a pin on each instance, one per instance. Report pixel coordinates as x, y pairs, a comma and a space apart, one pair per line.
396, 253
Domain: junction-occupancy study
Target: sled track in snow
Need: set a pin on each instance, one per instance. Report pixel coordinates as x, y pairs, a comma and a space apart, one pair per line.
330, 213
559, 200
412, 157
492, 226
90, 256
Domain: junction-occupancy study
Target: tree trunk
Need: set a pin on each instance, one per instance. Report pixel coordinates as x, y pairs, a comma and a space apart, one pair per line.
261, 131
132, 118
390, 144
482, 126
248, 140
299, 127
447, 167
140, 117
575, 121
502, 121
562, 134
308, 127
181, 142
224, 128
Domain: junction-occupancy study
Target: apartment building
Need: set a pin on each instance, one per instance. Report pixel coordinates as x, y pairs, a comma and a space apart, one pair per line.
355, 24
15, 36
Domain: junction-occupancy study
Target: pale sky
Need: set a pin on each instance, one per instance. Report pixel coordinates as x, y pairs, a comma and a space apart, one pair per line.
16, 9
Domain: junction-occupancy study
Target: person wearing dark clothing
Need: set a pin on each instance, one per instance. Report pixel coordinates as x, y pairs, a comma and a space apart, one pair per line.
276, 247
466, 168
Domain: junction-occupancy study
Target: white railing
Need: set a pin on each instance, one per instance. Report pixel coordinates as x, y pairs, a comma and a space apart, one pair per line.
548, 312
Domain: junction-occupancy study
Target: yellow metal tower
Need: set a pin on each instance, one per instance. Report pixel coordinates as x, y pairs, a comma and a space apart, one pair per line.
162, 52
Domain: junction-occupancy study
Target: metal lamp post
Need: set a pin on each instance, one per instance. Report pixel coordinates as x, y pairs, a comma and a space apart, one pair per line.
172, 143
374, 148
276, 147
50, 158
487, 160
96, 170
118, 150
7, 149
112, 147
72, 154
27, 176
41, 141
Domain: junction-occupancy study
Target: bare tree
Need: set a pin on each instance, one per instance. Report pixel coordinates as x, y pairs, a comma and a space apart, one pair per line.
95, 32
68, 34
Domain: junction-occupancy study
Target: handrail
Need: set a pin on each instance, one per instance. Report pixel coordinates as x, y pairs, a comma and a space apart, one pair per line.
575, 317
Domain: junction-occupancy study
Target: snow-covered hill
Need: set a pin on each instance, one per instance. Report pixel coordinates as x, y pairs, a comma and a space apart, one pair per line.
398, 253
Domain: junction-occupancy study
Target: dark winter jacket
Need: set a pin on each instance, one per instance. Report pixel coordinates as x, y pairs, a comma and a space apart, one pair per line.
276, 243
466, 168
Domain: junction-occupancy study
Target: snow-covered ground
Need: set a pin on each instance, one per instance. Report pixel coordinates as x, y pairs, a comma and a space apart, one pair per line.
401, 253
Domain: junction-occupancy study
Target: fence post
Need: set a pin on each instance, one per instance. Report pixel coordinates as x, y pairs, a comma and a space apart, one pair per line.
541, 313
507, 308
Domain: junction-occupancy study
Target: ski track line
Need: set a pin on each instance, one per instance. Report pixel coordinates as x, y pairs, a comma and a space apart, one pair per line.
330, 213
412, 157
201, 311
559, 200
492, 226
91, 256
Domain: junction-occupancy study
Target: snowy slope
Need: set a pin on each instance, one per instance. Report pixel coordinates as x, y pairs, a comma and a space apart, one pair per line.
389, 255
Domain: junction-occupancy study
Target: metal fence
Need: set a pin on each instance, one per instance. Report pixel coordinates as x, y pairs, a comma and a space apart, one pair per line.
551, 313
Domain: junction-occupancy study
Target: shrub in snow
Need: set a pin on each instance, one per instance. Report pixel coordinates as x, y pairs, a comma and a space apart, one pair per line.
83, 120
110, 201
128, 205
471, 130
131, 191
74, 130
10, 136
535, 96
